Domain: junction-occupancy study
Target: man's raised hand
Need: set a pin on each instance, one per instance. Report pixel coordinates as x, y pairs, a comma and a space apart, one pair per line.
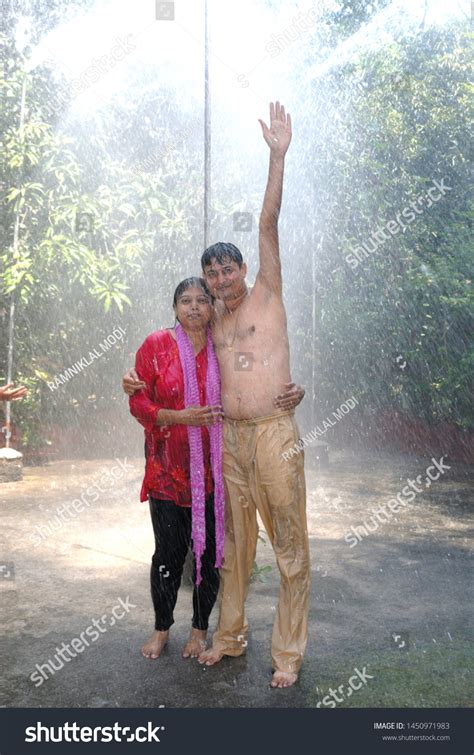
278, 136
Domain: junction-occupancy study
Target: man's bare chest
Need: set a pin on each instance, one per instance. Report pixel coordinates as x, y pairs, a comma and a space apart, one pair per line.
229, 335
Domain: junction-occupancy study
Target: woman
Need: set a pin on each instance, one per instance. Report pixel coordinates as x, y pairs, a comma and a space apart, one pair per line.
179, 407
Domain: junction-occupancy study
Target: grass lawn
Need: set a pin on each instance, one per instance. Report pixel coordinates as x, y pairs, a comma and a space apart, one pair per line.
425, 676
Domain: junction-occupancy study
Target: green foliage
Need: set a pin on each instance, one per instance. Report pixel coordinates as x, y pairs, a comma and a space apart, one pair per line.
80, 232
259, 573
100, 224
401, 119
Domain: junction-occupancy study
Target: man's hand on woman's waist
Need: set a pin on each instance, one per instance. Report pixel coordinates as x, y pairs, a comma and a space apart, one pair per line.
289, 399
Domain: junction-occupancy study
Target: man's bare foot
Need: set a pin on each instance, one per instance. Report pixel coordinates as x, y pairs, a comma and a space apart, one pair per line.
152, 649
282, 679
196, 643
210, 657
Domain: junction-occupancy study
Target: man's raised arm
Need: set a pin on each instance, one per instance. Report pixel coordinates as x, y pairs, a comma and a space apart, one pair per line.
278, 138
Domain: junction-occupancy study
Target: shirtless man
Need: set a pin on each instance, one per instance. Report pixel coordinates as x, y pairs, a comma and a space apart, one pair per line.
251, 342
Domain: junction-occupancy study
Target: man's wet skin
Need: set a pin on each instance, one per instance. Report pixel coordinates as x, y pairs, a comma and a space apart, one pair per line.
251, 342
280, 679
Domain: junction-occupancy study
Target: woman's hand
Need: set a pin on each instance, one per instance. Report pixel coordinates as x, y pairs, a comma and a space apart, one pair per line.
131, 383
200, 416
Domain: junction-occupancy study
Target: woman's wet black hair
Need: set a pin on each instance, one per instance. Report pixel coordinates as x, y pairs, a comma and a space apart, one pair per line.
192, 282
221, 252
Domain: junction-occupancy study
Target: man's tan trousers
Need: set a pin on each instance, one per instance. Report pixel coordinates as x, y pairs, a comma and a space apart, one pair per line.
258, 478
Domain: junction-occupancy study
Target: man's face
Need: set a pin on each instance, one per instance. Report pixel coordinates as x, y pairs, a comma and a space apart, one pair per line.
226, 280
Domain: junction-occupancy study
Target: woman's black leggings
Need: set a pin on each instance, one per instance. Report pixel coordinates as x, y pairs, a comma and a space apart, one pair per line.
172, 528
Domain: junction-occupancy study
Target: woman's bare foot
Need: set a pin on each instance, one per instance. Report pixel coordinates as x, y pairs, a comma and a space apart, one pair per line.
210, 657
282, 679
196, 643
152, 649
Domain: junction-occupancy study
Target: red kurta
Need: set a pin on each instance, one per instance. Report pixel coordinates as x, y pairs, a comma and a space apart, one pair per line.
167, 474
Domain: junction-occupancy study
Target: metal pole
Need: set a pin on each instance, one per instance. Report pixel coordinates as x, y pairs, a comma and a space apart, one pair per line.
315, 334
313, 349
207, 131
16, 238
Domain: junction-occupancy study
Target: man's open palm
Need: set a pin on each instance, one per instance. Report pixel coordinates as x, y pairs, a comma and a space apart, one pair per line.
278, 136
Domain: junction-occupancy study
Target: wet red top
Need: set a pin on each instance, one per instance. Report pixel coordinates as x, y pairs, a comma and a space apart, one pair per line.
167, 474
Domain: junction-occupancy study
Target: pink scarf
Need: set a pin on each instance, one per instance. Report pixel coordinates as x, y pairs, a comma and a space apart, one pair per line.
213, 398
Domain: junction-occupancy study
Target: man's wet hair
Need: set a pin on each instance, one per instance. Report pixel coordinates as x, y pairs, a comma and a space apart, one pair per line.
221, 252
192, 282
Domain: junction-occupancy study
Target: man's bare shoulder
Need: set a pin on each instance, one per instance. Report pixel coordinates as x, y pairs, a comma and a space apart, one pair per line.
220, 309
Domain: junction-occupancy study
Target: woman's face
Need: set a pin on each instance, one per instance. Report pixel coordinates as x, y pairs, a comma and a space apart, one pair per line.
194, 309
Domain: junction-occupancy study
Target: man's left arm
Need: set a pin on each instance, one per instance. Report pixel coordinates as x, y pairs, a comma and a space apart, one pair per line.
278, 138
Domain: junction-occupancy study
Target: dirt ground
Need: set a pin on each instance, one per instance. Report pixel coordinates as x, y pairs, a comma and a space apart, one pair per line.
396, 607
